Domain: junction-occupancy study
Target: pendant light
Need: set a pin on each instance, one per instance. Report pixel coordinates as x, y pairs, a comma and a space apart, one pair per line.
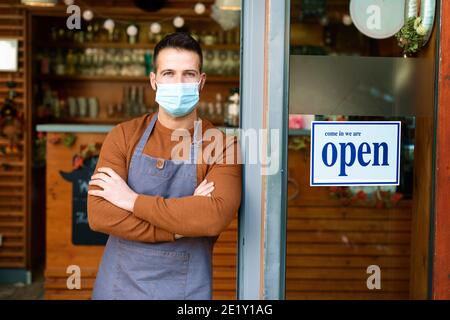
40, 3
229, 5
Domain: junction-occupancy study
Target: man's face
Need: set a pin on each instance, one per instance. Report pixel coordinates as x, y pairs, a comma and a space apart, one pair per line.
175, 66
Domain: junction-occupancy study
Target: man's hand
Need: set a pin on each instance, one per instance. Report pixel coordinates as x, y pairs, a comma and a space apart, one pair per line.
115, 189
204, 189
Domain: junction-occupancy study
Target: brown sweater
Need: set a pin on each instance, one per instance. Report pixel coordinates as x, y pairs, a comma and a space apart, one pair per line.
154, 218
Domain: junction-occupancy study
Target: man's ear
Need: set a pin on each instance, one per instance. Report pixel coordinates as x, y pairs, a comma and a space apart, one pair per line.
203, 80
153, 80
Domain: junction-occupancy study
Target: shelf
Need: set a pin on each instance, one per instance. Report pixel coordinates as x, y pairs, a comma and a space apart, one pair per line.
99, 128
100, 121
115, 45
127, 12
216, 79
74, 128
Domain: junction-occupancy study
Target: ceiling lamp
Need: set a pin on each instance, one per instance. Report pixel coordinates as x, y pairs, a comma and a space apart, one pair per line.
230, 5
226, 13
40, 3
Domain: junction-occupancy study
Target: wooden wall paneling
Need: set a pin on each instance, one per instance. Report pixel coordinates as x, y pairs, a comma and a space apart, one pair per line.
14, 171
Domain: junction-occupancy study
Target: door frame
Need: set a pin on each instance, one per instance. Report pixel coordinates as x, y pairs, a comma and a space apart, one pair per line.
440, 226
264, 106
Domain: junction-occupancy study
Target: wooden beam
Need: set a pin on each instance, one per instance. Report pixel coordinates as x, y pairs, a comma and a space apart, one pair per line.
441, 256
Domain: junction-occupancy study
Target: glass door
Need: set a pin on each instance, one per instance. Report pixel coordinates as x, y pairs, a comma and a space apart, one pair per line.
357, 242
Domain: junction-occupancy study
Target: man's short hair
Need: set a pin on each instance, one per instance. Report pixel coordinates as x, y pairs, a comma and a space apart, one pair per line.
181, 41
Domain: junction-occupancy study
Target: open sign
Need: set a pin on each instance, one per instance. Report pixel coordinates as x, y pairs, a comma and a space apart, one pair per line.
355, 153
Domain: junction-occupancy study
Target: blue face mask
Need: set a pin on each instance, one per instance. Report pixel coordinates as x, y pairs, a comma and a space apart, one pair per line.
178, 99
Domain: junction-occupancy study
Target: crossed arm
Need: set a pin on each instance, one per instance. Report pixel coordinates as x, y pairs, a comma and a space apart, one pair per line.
115, 209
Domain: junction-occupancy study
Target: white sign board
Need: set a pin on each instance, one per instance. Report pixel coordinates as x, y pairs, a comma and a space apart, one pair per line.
378, 19
349, 153
8, 54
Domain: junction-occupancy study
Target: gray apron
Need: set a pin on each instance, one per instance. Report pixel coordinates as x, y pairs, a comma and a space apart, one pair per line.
166, 270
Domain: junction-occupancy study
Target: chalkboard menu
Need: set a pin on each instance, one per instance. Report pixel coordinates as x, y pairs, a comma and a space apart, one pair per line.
81, 233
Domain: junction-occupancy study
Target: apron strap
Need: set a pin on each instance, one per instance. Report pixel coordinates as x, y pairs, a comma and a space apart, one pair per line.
146, 135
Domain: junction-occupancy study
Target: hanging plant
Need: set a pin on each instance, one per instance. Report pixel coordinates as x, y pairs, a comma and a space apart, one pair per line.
411, 36
420, 16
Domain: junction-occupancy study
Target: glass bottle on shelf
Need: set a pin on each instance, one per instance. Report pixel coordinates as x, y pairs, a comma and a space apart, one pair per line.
217, 67
229, 37
61, 35
221, 37
208, 61
229, 64
96, 32
44, 63
56, 107
82, 63
54, 34
117, 34
60, 67
211, 112
126, 102
110, 111
134, 101
148, 62
202, 109
221, 68
90, 33
79, 37
141, 100
100, 62
47, 103
236, 63
232, 118
70, 61
219, 107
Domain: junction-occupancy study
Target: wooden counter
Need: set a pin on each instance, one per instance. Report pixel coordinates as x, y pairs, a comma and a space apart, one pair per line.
62, 252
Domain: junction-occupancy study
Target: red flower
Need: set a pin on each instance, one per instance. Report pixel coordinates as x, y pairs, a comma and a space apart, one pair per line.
379, 204
396, 197
361, 195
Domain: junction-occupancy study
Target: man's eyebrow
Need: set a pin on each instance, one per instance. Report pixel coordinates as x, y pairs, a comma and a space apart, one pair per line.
191, 70
188, 70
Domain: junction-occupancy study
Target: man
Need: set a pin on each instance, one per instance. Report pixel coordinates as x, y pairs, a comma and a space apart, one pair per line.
145, 193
